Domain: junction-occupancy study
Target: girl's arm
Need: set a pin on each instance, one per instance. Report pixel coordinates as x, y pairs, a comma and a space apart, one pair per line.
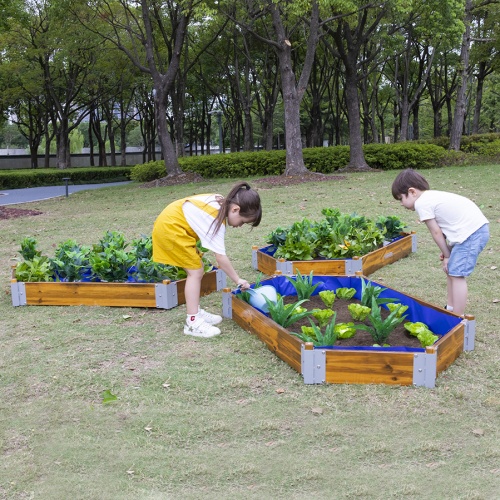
224, 263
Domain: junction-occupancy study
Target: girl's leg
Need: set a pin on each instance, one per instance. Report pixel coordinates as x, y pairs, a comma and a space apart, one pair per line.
193, 289
457, 293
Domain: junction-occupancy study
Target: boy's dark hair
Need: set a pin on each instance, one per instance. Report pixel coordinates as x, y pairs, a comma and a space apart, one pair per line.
246, 198
407, 179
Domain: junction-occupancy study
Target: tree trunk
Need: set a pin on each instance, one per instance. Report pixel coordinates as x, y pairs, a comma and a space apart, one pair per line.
460, 104
356, 156
292, 92
166, 145
482, 73
62, 139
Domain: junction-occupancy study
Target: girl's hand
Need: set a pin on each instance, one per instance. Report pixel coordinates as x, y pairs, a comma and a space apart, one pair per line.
243, 284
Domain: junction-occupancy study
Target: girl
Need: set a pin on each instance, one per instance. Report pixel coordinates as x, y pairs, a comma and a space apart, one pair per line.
203, 217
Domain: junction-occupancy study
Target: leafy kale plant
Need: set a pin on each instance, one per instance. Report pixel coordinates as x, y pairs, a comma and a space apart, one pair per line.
369, 292
392, 226
316, 336
303, 285
380, 329
287, 314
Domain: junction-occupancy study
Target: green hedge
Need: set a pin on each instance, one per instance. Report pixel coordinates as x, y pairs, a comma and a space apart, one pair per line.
325, 160
16, 179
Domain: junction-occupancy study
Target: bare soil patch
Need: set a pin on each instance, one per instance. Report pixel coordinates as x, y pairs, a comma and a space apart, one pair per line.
398, 337
14, 213
264, 182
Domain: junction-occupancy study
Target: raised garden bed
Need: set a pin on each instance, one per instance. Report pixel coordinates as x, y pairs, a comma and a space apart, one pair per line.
394, 365
165, 295
264, 261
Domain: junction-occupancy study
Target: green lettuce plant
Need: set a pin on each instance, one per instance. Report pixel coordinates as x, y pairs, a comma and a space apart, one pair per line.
345, 293
422, 332
400, 307
328, 297
322, 316
345, 330
358, 312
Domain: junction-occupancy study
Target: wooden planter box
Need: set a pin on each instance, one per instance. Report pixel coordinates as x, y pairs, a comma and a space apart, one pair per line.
263, 260
359, 365
165, 295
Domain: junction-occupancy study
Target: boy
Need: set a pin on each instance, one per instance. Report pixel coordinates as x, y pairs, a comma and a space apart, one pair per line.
457, 225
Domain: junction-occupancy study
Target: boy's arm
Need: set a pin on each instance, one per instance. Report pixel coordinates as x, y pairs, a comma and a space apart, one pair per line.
438, 237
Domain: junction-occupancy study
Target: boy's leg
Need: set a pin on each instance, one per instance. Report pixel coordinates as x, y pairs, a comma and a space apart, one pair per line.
457, 294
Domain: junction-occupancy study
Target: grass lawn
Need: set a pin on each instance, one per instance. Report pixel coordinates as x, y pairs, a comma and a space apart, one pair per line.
224, 417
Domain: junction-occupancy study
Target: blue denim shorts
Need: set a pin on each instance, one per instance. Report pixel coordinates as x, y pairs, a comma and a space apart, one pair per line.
464, 255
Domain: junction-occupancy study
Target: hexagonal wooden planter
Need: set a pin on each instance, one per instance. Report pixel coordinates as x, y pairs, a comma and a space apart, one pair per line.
263, 260
165, 295
359, 365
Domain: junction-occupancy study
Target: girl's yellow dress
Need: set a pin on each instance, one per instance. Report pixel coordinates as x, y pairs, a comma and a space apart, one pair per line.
174, 242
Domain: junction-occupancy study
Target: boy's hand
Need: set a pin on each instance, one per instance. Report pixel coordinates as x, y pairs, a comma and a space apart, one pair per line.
445, 263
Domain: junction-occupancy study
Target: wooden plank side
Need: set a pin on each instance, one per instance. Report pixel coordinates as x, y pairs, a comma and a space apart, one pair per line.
369, 367
386, 255
448, 348
91, 294
319, 267
277, 339
265, 263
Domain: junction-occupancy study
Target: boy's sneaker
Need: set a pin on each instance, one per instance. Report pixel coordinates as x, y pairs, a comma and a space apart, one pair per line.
200, 328
211, 319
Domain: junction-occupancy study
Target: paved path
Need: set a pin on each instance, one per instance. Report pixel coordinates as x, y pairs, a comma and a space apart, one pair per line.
16, 196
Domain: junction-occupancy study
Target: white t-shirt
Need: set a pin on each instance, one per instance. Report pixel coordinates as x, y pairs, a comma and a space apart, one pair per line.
457, 216
200, 222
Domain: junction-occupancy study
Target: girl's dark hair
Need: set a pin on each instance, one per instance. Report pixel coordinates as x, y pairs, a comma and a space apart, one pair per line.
407, 179
246, 198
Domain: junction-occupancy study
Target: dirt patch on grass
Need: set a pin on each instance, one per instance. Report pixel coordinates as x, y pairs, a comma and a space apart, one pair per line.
14, 213
264, 182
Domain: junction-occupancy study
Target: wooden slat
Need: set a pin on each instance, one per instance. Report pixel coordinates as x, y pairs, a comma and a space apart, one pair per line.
448, 348
91, 294
265, 263
369, 367
387, 255
106, 294
287, 347
319, 267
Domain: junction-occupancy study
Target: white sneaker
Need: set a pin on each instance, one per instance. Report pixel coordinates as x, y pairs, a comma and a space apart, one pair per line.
200, 328
211, 319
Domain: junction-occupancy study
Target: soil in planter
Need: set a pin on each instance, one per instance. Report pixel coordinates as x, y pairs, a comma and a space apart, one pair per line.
398, 337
